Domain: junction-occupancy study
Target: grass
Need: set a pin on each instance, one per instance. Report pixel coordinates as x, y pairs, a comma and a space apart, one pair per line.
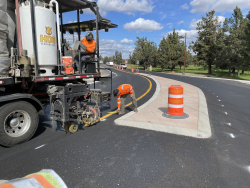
199, 70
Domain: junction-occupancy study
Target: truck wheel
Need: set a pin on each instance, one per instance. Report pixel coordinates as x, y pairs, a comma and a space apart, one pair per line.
18, 123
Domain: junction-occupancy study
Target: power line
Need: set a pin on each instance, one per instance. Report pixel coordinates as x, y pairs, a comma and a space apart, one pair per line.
120, 7
105, 4
111, 5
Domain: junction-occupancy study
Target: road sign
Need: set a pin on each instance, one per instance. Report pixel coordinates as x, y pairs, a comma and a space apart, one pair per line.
137, 62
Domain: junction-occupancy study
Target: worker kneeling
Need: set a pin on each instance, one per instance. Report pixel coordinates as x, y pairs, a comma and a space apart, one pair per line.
121, 94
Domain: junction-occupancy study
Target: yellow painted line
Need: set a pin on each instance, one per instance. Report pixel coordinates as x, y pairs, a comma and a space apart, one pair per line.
150, 87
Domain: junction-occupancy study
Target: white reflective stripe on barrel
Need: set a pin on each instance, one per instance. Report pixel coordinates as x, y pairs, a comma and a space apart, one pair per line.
175, 96
175, 106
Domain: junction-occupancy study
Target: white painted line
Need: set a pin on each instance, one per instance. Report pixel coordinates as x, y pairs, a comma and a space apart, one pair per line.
232, 135
229, 124
103, 120
40, 146
222, 105
217, 96
226, 113
248, 168
219, 100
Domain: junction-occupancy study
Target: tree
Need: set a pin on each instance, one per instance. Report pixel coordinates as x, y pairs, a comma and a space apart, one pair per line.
145, 51
205, 43
117, 57
105, 60
235, 40
176, 49
162, 54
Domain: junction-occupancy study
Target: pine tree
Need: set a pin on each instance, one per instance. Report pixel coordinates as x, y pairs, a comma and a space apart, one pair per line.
236, 26
176, 49
205, 43
162, 54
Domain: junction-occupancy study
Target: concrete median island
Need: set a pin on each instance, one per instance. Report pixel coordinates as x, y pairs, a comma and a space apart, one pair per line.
150, 113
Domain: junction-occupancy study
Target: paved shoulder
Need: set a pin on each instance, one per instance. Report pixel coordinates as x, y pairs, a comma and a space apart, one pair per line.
150, 114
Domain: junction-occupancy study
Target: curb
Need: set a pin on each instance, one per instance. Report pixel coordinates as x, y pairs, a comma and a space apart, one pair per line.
204, 128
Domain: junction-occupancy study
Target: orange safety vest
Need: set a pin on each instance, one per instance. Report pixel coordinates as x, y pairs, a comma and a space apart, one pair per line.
124, 89
89, 44
43, 179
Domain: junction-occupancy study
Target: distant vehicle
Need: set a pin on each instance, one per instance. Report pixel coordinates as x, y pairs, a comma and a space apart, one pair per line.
101, 62
110, 63
123, 65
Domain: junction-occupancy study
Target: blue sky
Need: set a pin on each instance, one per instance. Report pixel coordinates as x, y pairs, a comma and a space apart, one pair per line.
153, 19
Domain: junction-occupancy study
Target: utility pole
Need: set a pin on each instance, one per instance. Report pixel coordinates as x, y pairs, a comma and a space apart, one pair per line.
185, 53
73, 34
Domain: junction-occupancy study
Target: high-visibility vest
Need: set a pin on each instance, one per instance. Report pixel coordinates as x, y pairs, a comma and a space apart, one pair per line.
124, 89
89, 44
42, 179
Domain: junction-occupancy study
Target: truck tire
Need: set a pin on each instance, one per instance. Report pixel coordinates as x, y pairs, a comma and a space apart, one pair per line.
18, 123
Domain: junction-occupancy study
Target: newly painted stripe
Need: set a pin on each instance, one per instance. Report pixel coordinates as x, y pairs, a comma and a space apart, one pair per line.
150, 87
175, 106
175, 96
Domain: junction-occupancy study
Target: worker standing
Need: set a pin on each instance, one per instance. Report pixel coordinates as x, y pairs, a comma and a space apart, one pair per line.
121, 94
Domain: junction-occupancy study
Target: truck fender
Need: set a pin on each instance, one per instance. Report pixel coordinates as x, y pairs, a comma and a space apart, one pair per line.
23, 97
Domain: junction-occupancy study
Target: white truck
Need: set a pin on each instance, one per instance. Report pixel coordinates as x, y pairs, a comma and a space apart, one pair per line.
110, 63
123, 65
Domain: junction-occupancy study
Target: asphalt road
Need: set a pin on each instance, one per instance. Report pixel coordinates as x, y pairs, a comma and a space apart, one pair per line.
106, 155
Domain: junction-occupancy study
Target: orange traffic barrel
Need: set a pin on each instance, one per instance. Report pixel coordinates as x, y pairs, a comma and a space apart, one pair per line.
172, 72
68, 64
132, 70
117, 67
122, 68
175, 100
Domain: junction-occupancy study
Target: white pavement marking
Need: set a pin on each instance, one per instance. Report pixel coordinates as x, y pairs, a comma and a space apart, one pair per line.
103, 120
232, 135
248, 168
222, 105
204, 128
229, 124
219, 100
217, 96
40, 146
226, 113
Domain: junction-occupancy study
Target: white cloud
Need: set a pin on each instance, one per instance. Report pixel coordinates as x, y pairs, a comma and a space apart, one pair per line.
108, 48
140, 25
128, 7
194, 22
191, 35
185, 6
126, 41
180, 22
170, 25
200, 6
163, 16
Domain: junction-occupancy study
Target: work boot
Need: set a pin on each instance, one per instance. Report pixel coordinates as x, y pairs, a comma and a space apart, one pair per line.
136, 110
120, 113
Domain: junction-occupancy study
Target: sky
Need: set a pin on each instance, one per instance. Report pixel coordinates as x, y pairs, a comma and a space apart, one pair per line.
153, 19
